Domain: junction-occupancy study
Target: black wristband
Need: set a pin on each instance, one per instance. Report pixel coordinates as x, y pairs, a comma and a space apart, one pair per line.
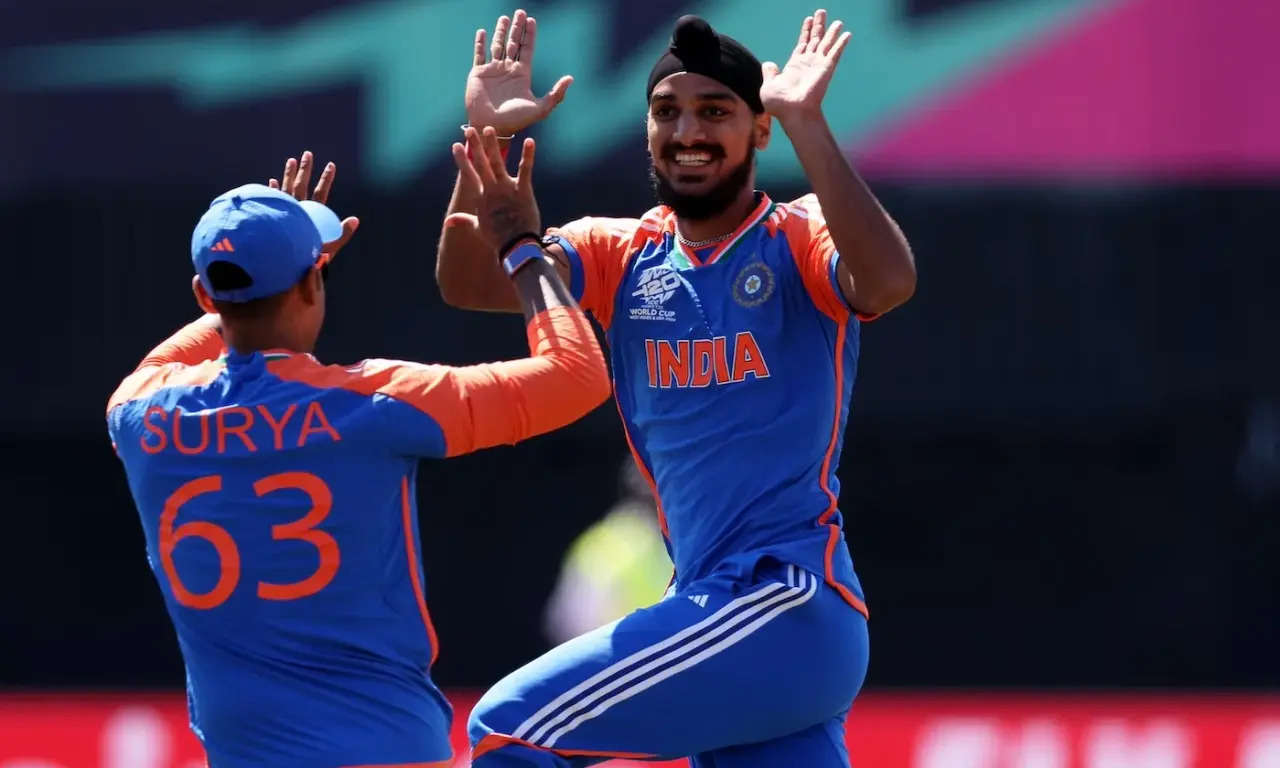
513, 242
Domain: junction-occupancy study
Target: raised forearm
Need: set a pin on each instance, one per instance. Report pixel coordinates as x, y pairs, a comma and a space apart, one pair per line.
467, 270
539, 287
872, 248
563, 378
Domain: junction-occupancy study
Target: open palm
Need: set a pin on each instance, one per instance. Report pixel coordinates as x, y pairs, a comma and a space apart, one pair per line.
802, 83
500, 85
295, 180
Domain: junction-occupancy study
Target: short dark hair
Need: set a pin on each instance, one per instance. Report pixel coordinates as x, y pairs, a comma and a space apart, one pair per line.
225, 276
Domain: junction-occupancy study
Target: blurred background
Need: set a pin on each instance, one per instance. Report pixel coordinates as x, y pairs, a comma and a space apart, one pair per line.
1062, 473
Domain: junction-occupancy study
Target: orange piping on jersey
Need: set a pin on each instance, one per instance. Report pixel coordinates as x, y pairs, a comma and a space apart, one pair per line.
644, 471
833, 537
497, 740
799, 242
412, 552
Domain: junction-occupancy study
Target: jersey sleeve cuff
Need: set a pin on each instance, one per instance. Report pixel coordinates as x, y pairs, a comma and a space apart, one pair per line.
577, 282
833, 275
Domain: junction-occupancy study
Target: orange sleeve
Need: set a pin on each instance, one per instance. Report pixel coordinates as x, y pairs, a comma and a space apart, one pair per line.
816, 256
194, 343
597, 249
504, 403
439, 410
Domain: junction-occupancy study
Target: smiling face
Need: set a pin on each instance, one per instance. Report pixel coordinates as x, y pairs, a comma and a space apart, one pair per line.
702, 144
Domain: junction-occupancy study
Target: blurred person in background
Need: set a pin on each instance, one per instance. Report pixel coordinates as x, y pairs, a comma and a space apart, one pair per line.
618, 565
278, 494
733, 326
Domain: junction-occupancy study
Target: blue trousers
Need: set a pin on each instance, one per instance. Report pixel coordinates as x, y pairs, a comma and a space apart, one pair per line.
755, 666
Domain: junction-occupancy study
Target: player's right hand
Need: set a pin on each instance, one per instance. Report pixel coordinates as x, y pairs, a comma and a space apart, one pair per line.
500, 87
507, 205
294, 181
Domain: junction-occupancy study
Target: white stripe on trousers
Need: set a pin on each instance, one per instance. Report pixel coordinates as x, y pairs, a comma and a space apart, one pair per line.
762, 605
523, 732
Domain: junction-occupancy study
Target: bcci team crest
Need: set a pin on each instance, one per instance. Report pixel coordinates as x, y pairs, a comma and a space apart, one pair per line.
754, 284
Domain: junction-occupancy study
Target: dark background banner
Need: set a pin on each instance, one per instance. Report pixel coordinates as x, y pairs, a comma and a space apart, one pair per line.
1062, 453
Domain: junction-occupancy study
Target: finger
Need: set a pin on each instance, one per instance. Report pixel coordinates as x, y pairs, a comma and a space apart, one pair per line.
556, 94
468, 220
528, 41
830, 38
274, 184
806, 29
286, 178
841, 43
303, 179
819, 26
493, 153
769, 70
524, 175
498, 49
349, 227
321, 194
478, 56
466, 170
479, 158
516, 38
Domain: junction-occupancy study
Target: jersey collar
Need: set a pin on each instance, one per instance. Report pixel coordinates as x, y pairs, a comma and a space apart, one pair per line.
687, 258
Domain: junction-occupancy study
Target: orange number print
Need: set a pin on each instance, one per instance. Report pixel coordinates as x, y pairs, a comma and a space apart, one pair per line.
303, 530
229, 554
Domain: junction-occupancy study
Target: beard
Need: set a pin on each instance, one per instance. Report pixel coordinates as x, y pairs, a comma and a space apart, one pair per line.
703, 205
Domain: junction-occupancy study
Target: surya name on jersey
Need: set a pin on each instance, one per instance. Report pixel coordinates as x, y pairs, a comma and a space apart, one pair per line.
216, 430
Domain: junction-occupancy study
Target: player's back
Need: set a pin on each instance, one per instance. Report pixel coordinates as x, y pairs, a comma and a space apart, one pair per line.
281, 524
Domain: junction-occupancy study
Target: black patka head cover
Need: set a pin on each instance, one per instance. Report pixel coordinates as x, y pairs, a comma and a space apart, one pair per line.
699, 49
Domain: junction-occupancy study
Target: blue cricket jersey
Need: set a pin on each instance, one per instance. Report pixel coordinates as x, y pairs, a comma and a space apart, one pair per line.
733, 370
277, 496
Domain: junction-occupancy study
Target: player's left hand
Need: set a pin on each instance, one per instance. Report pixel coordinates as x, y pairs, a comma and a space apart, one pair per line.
801, 85
294, 181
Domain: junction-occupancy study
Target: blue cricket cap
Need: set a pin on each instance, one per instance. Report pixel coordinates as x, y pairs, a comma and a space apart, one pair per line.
274, 238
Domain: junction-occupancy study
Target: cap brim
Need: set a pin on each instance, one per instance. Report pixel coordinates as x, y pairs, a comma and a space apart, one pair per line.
326, 221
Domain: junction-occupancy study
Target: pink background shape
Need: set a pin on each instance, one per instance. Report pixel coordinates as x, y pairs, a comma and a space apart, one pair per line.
1165, 88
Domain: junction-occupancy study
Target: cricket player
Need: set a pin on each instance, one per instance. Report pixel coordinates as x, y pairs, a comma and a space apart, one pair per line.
277, 493
733, 323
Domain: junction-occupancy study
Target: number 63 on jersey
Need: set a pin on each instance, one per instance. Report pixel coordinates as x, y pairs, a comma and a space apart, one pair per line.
303, 529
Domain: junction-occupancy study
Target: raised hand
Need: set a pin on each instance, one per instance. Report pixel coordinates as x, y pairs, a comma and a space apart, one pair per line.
294, 181
802, 83
507, 206
500, 87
